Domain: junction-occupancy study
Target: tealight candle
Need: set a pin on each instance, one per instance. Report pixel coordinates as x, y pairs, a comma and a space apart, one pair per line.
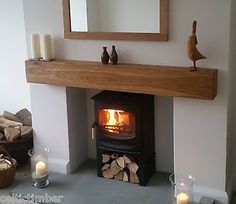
182, 198
40, 168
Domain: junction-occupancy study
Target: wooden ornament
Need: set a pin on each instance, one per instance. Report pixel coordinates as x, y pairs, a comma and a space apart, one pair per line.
193, 52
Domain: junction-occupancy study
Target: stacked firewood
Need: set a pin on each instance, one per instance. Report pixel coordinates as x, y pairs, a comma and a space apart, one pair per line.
15, 126
122, 168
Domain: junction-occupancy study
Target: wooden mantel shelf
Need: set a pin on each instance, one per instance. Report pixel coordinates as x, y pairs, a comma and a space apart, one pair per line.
148, 79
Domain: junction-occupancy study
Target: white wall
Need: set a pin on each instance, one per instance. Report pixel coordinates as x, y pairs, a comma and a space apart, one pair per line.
14, 91
50, 122
232, 99
201, 125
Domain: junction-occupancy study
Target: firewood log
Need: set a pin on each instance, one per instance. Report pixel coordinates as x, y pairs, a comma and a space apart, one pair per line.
121, 162
105, 158
11, 133
24, 116
105, 166
133, 167
3, 126
9, 123
114, 156
4, 164
125, 176
107, 173
134, 177
2, 137
10, 116
115, 168
127, 160
25, 130
119, 176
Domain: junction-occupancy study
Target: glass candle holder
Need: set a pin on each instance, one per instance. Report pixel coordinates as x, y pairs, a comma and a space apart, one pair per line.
39, 169
182, 188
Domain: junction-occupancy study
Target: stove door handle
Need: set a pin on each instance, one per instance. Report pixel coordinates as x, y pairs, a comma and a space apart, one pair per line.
94, 130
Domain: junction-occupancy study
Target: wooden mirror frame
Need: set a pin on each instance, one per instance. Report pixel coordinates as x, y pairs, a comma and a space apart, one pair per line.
162, 36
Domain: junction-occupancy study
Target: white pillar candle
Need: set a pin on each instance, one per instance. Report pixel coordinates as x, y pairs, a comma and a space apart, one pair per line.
182, 198
40, 168
35, 46
46, 47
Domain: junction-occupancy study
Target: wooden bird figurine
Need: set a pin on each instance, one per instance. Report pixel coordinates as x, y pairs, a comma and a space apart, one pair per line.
193, 53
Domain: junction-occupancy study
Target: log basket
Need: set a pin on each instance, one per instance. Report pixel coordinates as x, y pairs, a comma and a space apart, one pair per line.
7, 175
19, 148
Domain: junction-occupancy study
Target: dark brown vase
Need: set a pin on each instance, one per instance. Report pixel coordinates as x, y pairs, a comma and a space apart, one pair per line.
105, 56
114, 55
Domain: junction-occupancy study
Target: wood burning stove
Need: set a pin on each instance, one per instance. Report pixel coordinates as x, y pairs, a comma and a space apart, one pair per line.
125, 136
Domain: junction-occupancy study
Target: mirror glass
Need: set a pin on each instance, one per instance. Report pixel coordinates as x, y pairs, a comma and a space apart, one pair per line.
138, 16
116, 19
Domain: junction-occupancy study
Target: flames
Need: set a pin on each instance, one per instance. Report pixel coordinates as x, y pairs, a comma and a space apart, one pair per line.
114, 117
113, 120
118, 123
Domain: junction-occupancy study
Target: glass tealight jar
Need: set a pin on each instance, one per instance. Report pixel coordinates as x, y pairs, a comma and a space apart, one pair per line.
183, 188
39, 168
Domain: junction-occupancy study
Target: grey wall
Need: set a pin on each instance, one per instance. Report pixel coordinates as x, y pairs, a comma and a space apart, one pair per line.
77, 122
164, 134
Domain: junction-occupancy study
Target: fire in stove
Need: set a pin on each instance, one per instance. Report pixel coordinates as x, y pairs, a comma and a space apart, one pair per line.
117, 122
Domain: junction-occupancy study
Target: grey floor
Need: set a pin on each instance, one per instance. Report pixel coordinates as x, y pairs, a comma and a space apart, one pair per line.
84, 187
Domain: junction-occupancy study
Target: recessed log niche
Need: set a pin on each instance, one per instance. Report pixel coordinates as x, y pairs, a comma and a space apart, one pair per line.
125, 136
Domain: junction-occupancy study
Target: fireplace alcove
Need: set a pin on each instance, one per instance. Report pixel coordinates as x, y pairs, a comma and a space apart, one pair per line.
125, 126
157, 80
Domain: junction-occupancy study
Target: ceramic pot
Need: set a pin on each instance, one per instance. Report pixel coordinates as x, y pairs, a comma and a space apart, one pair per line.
114, 55
105, 56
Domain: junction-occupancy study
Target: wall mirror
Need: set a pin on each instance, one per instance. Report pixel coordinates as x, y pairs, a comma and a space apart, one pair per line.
116, 19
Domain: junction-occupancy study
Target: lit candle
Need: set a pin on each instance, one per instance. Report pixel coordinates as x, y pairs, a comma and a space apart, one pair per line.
182, 198
46, 45
40, 168
35, 46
